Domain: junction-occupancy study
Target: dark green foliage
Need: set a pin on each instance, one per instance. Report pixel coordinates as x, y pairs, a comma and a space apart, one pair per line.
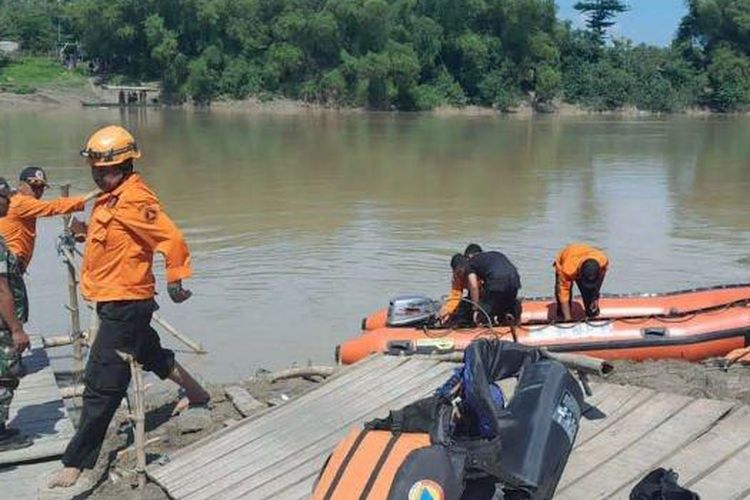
400, 54
648, 78
715, 38
32, 23
382, 54
600, 15
729, 79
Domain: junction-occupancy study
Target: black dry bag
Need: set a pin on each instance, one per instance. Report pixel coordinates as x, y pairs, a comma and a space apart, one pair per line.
661, 484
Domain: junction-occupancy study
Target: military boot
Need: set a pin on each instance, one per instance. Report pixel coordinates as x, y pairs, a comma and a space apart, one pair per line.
13, 439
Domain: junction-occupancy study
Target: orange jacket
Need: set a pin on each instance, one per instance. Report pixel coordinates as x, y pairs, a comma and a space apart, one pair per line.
126, 227
568, 266
19, 226
451, 304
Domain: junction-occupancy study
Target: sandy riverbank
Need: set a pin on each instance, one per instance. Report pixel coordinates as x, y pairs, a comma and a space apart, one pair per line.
67, 97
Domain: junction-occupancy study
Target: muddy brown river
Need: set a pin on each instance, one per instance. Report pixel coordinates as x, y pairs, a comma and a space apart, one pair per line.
301, 224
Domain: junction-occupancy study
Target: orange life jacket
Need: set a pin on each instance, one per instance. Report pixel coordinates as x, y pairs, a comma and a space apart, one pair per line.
366, 464
568, 266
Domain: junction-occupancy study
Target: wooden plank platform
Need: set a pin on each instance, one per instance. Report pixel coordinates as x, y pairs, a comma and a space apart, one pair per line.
23, 481
38, 410
278, 453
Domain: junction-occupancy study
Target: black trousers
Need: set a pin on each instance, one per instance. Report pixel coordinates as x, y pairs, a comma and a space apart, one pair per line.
496, 303
124, 326
501, 303
587, 296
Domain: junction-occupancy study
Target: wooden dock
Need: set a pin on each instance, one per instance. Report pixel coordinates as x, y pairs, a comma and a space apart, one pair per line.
39, 411
278, 453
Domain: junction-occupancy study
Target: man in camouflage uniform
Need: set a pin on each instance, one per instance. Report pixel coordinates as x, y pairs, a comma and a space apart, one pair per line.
13, 338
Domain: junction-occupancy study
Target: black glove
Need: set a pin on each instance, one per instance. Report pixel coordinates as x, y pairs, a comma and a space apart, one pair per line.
177, 293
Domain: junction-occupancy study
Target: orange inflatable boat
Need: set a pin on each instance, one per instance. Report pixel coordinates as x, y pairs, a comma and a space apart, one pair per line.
691, 324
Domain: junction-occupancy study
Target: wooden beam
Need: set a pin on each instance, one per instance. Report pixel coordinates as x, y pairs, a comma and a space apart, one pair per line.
245, 403
72, 391
57, 341
132, 88
138, 416
73, 307
303, 371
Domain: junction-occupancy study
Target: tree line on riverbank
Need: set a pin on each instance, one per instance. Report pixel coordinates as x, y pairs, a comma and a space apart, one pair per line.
401, 54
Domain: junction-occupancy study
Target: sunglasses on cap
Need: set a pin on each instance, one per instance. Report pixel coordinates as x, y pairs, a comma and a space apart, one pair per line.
36, 183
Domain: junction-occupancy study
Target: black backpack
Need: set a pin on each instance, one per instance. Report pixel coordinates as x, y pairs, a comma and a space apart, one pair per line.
661, 484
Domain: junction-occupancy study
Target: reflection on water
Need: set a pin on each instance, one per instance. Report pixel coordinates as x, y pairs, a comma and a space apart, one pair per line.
300, 225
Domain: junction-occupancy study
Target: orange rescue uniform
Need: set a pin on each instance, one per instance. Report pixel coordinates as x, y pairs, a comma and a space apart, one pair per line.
568, 266
450, 306
126, 227
18, 228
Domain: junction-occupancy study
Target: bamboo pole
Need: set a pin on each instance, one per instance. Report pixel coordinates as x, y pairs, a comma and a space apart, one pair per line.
72, 391
93, 325
577, 362
735, 356
138, 417
169, 328
73, 306
140, 425
581, 362
57, 341
124, 453
304, 371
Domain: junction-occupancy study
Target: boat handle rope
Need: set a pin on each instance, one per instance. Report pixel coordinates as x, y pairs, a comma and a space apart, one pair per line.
443, 332
669, 318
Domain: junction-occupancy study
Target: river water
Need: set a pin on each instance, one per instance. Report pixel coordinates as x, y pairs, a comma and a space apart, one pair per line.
302, 224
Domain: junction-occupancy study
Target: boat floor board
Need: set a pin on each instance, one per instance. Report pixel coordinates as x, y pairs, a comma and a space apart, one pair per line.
38, 411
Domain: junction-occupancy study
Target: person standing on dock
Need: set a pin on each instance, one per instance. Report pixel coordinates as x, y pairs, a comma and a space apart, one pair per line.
585, 266
13, 338
18, 227
127, 226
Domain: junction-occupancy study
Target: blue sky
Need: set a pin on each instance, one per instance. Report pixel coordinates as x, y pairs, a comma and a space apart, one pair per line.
649, 21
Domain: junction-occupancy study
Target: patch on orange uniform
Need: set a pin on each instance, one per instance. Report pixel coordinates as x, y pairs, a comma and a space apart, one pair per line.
426, 490
150, 213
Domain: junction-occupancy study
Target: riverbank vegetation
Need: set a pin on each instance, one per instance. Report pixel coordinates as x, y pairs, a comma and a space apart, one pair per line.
25, 75
402, 54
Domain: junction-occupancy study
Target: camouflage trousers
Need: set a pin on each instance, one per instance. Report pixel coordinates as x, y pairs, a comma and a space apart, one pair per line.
10, 373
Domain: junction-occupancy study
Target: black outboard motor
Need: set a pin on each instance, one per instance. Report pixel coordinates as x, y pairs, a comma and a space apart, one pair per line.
412, 310
521, 448
529, 441
538, 434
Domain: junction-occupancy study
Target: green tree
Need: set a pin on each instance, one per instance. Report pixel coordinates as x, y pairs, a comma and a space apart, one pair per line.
401, 54
201, 81
729, 79
600, 15
714, 37
547, 83
33, 23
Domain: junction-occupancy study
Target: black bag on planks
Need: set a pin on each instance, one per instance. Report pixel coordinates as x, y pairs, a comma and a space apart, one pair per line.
661, 484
